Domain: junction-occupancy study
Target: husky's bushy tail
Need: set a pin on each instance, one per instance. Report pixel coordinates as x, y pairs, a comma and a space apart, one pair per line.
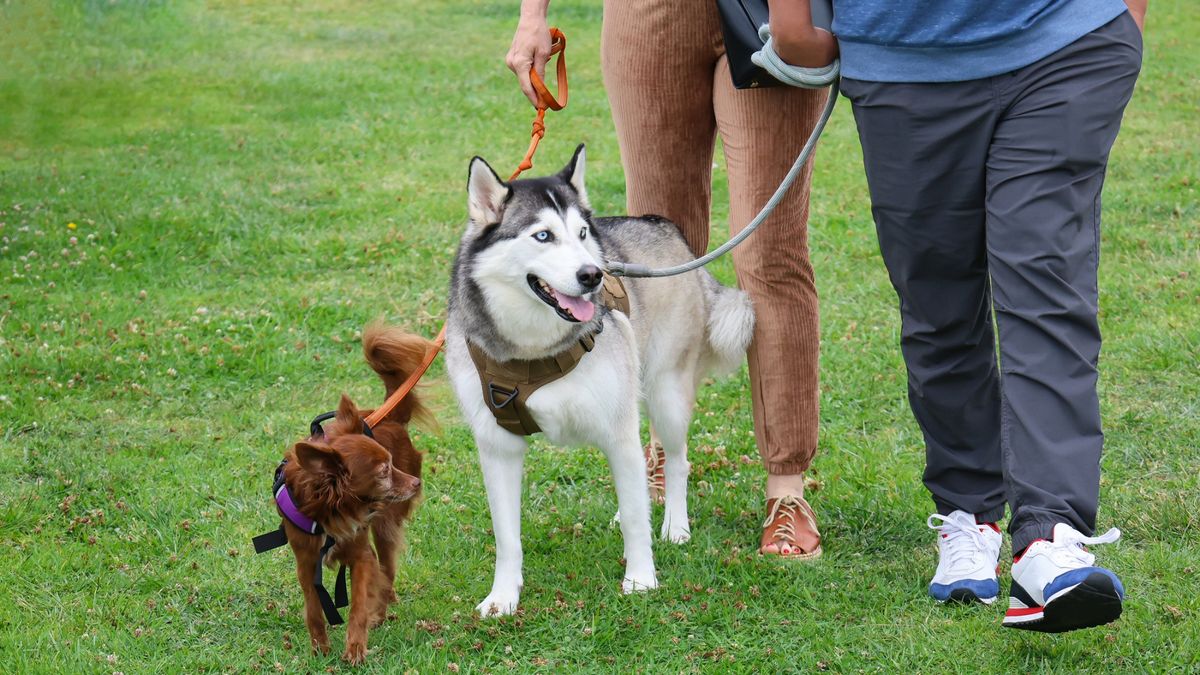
395, 354
730, 326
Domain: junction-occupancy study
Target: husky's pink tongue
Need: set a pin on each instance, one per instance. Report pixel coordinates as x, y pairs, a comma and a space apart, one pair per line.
581, 309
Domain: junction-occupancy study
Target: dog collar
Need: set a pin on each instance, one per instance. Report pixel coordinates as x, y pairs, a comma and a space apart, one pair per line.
508, 384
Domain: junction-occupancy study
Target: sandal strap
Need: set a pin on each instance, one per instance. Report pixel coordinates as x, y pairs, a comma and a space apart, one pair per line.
784, 514
656, 462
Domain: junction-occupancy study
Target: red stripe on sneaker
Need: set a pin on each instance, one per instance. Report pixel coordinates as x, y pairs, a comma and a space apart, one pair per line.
1023, 611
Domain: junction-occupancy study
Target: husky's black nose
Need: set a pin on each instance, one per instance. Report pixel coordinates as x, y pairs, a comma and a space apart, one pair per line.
589, 276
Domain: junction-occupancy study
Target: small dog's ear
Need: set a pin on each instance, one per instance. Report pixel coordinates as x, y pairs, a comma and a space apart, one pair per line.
487, 195
348, 419
573, 174
317, 458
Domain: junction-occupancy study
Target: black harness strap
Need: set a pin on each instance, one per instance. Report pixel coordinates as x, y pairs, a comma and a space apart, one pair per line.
269, 541
330, 605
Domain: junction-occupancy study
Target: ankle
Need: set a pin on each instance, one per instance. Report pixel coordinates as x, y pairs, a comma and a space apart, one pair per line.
785, 485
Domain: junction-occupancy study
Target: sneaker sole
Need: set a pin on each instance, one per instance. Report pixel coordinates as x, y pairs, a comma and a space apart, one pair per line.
1094, 602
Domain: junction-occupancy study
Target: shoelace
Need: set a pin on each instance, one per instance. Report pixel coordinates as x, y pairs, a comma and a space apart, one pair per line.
1068, 545
790, 505
962, 541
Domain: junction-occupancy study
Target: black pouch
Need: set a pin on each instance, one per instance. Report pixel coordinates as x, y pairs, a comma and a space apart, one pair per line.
740, 20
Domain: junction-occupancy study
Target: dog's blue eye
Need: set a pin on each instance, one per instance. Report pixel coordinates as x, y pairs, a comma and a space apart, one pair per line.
583, 233
543, 236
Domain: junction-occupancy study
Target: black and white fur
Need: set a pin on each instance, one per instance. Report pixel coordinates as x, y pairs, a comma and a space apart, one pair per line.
529, 235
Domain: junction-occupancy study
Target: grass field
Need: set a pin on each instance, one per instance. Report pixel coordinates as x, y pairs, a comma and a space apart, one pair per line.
202, 203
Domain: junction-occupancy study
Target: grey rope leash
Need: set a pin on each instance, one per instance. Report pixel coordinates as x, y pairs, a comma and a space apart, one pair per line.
812, 78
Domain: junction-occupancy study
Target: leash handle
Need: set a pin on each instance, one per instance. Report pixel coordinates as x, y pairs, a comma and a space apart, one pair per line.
546, 100
402, 391
558, 45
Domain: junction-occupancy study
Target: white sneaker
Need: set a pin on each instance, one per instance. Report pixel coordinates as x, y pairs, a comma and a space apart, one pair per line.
968, 559
1056, 588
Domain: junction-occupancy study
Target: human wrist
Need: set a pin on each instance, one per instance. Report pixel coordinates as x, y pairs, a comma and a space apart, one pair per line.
534, 10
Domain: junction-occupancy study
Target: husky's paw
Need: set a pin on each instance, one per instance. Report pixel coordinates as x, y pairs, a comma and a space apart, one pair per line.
639, 583
498, 604
676, 533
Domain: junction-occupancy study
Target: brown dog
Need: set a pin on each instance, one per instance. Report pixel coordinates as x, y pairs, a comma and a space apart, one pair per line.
357, 488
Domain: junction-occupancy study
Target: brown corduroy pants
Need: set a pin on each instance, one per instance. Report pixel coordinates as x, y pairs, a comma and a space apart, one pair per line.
670, 91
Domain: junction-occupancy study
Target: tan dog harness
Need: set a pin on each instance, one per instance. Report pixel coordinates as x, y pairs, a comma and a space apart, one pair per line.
508, 385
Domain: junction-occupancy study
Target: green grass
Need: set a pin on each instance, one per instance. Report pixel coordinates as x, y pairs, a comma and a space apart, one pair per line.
251, 183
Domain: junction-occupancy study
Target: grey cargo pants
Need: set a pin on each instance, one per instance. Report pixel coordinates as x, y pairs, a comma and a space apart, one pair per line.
986, 199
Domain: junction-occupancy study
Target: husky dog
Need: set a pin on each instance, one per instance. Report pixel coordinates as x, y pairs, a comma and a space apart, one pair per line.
525, 286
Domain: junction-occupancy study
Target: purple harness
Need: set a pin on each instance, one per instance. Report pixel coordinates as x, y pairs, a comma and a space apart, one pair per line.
276, 538
283, 499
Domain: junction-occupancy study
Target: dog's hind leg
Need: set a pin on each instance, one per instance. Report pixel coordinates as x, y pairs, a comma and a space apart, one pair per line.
669, 403
502, 458
624, 452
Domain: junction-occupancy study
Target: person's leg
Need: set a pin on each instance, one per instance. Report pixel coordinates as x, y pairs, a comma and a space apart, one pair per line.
924, 150
1045, 171
660, 91
762, 132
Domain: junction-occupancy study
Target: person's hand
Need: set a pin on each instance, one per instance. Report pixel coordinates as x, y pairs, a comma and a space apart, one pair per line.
530, 48
800, 44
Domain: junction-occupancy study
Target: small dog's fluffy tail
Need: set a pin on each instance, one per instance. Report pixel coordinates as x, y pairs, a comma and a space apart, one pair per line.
395, 354
730, 327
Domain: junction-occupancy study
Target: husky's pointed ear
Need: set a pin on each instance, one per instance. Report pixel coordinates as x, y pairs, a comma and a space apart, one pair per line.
573, 173
487, 195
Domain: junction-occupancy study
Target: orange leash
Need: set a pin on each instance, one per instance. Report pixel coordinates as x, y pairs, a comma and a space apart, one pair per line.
558, 45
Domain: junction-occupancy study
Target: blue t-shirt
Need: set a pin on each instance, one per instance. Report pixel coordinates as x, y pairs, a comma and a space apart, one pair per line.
956, 40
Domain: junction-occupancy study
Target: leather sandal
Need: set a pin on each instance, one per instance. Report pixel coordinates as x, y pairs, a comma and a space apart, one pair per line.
789, 520
656, 462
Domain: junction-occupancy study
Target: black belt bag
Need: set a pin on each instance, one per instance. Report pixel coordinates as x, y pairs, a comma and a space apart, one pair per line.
740, 20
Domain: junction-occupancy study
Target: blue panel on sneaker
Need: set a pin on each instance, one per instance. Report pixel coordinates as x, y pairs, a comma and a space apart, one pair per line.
1076, 577
966, 590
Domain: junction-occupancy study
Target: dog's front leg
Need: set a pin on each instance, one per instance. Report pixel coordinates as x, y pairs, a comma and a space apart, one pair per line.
502, 459
307, 553
364, 569
624, 452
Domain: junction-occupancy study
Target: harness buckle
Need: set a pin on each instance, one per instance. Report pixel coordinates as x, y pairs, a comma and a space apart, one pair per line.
509, 395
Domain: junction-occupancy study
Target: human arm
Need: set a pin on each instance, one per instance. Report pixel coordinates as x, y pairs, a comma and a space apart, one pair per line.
530, 45
797, 41
1137, 9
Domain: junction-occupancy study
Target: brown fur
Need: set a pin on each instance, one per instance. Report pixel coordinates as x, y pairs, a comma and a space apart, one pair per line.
359, 489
